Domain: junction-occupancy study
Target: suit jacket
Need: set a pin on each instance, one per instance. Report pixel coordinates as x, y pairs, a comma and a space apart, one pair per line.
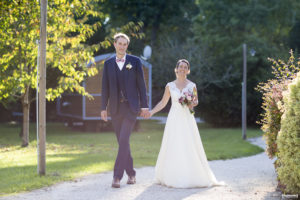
135, 85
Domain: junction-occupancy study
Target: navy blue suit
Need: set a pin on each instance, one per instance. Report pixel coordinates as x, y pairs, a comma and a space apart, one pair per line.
123, 94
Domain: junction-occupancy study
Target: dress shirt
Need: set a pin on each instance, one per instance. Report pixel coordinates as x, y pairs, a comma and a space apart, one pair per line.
120, 63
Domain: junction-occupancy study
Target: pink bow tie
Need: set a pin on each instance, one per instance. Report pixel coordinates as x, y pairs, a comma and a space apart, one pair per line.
120, 60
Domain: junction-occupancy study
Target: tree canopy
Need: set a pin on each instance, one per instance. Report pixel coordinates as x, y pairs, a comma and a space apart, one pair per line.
222, 27
67, 31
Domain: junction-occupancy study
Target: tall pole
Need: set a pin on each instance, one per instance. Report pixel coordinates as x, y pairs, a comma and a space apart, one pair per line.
37, 104
42, 90
244, 94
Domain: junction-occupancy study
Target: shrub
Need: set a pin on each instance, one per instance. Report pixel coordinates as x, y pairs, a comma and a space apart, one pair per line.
272, 100
288, 162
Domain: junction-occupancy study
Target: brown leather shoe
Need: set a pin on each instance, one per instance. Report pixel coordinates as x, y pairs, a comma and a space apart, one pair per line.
115, 183
131, 180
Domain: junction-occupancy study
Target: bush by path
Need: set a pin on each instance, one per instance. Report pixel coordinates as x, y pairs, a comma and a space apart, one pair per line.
288, 163
284, 73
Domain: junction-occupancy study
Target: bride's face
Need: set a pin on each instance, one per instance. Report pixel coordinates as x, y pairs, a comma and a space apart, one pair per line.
182, 69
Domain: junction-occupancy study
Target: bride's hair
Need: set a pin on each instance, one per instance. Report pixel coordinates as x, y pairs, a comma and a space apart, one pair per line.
182, 61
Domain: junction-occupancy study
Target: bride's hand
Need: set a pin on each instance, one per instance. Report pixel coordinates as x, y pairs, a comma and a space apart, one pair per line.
191, 106
149, 114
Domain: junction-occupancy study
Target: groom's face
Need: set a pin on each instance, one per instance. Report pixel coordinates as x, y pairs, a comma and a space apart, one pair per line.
121, 46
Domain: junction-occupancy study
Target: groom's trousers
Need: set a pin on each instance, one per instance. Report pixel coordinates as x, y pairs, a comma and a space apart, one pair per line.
123, 122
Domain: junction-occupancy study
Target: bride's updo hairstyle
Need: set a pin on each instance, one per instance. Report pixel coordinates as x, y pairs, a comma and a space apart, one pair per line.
182, 61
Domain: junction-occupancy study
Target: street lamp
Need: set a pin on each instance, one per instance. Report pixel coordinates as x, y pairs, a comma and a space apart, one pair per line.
244, 91
147, 52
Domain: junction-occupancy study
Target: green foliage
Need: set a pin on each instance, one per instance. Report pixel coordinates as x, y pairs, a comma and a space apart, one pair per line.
222, 27
294, 39
67, 31
273, 103
159, 17
288, 141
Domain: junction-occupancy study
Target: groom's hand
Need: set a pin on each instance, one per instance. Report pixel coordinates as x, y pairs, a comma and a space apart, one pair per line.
148, 115
144, 112
104, 115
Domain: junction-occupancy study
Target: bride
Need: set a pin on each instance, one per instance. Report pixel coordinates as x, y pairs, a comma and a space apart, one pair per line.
182, 162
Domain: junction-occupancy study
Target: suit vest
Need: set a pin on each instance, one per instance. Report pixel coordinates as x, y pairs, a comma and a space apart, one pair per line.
122, 96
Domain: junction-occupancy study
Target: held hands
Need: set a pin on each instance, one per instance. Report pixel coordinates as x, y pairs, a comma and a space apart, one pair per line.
146, 114
104, 115
150, 113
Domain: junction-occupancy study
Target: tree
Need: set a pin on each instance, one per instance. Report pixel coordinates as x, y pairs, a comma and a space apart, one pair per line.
294, 40
160, 17
222, 27
66, 51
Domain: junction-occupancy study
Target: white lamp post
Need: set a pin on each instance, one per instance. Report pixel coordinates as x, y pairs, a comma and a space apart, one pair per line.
147, 52
244, 91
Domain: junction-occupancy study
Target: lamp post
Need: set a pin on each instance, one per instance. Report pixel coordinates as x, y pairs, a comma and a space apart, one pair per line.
147, 52
42, 91
244, 91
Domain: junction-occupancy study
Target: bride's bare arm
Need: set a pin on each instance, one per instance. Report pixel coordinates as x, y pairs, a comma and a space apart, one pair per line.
195, 100
163, 102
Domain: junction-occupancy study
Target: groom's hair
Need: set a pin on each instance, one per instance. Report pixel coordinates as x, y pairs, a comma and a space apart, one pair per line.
121, 35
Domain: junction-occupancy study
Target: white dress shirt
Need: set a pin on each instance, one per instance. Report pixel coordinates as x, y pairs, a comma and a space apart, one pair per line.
120, 63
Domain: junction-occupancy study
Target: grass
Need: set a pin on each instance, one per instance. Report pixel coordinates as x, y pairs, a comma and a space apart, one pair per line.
72, 154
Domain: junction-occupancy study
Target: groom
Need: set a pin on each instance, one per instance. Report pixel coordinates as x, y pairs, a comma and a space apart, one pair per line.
124, 94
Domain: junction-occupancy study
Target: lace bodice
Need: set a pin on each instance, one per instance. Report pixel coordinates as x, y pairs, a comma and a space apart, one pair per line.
176, 93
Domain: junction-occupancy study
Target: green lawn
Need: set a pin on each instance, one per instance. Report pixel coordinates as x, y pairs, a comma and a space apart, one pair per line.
72, 154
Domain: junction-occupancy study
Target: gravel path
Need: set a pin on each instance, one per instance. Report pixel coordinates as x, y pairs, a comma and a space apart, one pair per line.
246, 178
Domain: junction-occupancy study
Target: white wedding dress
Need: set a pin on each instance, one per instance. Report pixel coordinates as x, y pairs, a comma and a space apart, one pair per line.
182, 162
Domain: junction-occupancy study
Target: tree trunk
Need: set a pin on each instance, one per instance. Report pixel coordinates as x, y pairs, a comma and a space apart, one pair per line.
25, 126
153, 36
